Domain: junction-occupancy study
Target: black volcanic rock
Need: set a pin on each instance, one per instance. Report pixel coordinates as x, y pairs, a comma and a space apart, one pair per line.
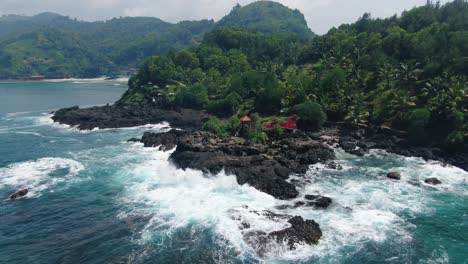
116, 116
165, 141
318, 201
432, 181
394, 176
301, 232
263, 166
19, 194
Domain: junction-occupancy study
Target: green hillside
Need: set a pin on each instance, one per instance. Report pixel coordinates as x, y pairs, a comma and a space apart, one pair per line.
52, 53
267, 17
409, 73
57, 46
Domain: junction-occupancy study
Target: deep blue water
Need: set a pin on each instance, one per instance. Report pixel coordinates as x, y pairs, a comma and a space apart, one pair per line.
94, 198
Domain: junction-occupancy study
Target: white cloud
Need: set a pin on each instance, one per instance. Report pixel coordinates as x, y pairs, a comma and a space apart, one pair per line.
136, 11
321, 15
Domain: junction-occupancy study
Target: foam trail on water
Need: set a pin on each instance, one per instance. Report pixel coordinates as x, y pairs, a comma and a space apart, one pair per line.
46, 119
39, 175
181, 198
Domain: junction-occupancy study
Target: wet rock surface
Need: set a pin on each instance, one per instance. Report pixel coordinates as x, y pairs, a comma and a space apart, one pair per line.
357, 140
295, 230
432, 181
165, 141
116, 116
312, 201
318, 201
353, 139
19, 194
301, 232
394, 176
263, 166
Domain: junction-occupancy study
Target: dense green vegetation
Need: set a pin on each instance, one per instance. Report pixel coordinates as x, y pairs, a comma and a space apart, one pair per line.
57, 46
268, 18
407, 72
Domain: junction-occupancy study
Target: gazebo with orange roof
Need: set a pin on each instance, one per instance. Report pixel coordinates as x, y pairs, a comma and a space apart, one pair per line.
246, 119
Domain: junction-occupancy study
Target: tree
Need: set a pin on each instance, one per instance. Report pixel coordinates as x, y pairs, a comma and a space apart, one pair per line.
311, 117
195, 97
417, 123
157, 70
215, 126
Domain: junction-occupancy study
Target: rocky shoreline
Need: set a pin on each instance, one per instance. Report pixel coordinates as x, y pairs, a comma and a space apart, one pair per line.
264, 166
353, 139
118, 116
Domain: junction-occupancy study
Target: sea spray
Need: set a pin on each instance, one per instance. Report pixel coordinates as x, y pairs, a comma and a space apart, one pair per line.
163, 212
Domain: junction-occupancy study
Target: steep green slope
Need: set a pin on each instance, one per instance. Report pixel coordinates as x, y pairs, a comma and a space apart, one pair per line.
409, 73
57, 46
267, 17
52, 53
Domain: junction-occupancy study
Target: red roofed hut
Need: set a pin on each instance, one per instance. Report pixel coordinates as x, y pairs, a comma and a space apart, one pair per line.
246, 120
290, 124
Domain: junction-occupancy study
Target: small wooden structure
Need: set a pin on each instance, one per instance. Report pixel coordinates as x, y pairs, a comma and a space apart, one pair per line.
246, 124
246, 120
290, 124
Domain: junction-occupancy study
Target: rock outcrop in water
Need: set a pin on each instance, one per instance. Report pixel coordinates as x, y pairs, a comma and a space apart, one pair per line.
394, 176
301, 232
263, 166
357, 140
19, 194
298, 230
433, 181
116, 116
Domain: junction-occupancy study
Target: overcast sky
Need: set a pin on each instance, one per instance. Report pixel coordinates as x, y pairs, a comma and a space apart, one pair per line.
321, 15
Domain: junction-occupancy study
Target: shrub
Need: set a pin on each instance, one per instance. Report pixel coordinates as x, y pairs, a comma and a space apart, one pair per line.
277, 131
233, 125
215, 126
226, 107
256, 136
456, 141
195, 97
269, 100
417, 122
256, 121
311, 116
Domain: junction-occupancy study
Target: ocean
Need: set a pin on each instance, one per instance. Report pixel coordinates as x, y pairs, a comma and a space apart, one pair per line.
96, 198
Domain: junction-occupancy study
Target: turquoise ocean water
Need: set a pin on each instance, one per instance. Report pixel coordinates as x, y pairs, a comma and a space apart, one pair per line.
94, 198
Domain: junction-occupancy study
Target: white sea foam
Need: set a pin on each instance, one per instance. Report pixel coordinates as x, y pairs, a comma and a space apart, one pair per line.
184, 197
367, 207
38, 175
46, 119
416, 170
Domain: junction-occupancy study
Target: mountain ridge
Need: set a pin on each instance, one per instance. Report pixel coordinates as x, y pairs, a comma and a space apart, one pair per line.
121, 43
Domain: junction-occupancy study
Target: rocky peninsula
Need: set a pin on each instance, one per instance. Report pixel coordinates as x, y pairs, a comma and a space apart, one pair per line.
265, 166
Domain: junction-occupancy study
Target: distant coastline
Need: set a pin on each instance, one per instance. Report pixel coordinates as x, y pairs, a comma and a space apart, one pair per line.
125, 79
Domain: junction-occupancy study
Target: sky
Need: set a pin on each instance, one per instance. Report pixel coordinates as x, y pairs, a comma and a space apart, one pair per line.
321, 15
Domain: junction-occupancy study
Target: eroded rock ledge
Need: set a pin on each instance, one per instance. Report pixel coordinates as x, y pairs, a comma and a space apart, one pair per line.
117, 116
266, 167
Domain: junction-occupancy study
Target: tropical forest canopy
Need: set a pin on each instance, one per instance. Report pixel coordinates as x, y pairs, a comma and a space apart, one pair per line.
408, 72
57, 46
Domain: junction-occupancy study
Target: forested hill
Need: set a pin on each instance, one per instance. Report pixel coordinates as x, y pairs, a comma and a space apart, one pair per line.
267, 17
409, 72
57, 46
